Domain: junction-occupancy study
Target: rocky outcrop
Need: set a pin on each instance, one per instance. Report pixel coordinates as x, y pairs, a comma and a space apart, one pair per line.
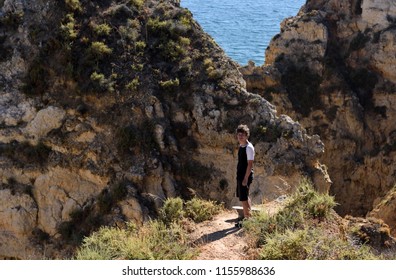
109, 107
371, 231
377, 14
18, 217
308, 37
385, 210
332, 68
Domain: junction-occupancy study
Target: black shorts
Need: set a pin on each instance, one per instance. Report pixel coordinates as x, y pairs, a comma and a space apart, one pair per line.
242, 191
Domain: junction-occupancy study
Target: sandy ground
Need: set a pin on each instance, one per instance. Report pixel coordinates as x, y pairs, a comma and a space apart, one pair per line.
219, 239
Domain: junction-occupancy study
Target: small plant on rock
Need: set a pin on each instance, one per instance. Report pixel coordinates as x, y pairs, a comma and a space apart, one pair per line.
74, 5
100, 49
170, 84
102, 29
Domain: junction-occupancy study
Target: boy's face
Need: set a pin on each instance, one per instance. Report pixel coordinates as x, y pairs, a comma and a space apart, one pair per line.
242, 137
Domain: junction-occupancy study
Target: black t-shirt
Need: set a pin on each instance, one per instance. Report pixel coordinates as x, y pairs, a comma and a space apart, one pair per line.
242, 164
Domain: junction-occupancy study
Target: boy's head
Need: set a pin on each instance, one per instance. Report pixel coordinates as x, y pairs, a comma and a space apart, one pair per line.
243, 128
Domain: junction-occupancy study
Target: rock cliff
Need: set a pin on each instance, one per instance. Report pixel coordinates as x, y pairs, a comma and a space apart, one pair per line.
332, 68
109, 107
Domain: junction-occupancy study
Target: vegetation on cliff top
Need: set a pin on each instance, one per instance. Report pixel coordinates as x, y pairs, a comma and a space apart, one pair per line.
115, 48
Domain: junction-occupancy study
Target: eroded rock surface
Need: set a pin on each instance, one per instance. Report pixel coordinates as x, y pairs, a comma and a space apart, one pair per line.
332, 68
110, 107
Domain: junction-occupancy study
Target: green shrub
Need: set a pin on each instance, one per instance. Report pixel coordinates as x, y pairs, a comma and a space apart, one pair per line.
291, 245
138, 67
261, 225
100, 49
258, 225
169, 40
311, 244
288, 234
98, 78
69, 27
186, 65
153, 241
170, 84
186, 20
140, 46
105, 244
320, 205
212, 72
208, 62
304, 204
131, 30
102, 29
138, 3
157, 26
172, 50
133, 85
167, 241
101, 83
196, 209
302, 195
184, 41
113, 243
314, 204
172, 211
200, 210
74, 5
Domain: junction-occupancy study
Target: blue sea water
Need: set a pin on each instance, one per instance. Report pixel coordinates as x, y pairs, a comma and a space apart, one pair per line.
243, 28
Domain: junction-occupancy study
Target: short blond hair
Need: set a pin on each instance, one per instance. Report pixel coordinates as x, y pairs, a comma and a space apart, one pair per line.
243, 128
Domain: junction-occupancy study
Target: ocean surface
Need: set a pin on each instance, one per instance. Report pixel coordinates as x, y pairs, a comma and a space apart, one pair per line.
243, 28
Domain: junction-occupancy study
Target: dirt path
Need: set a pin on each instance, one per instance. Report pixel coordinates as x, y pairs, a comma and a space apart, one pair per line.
219, 239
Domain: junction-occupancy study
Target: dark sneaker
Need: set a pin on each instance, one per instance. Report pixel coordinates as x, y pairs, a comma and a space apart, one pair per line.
238, 224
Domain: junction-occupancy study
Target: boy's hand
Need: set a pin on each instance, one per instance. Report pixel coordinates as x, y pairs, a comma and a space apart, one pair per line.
244, 182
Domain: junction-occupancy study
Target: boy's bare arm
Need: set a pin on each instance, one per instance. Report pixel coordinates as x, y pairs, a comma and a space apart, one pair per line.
247, 173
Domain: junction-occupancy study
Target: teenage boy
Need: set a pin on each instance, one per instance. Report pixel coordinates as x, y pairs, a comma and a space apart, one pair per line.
244, 168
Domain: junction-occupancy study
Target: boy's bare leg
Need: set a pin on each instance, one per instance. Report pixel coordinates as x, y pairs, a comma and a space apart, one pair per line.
246, 208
